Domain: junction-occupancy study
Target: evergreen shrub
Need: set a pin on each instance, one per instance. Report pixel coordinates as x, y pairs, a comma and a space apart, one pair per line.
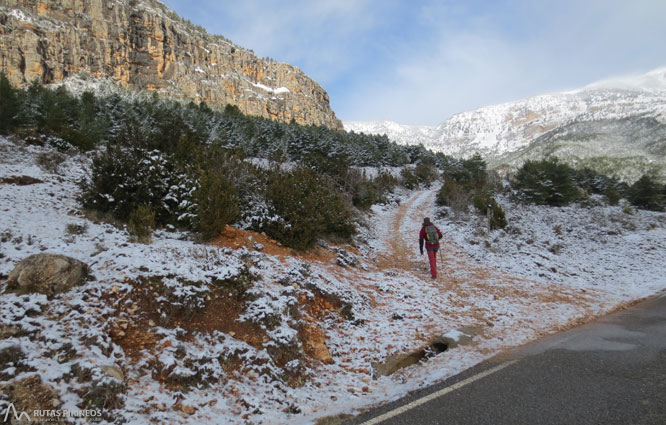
454, 195
409, 179
141, 223
386, 182
426, 173
613, 196
547, 182
217, 203
483, 201
309, 209
9, 105
365, 194
364, 191
646, 193
124, 178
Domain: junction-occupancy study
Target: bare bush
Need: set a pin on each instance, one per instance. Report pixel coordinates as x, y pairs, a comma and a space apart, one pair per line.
51, 162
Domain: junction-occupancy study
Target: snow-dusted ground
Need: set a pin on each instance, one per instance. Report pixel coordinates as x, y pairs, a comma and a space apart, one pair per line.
618, 249
561, 267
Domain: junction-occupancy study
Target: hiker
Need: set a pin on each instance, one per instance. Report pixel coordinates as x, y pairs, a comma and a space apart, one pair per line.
431, 235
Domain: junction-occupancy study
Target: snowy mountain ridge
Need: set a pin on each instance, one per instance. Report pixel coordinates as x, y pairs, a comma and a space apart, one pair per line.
598, 125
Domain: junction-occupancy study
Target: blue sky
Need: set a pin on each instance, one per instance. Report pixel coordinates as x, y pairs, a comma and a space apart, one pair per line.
419, 62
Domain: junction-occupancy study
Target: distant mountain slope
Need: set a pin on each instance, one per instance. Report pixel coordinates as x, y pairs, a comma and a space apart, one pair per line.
141, 44
617, 126
400, 133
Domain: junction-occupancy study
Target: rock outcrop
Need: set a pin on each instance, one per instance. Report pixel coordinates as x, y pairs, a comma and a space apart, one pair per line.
48, 274
143, 45
314, 343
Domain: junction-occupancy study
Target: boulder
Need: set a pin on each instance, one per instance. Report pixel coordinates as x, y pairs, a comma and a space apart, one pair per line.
396, 362
48, 274
113, 372
314, 343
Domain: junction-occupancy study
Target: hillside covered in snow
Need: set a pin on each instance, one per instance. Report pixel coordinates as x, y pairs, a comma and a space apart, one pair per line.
616, 127
243, 330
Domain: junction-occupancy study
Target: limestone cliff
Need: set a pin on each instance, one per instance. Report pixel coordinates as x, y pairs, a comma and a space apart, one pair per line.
143, 45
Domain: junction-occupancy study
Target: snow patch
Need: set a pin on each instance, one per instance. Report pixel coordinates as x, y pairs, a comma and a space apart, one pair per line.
278, 90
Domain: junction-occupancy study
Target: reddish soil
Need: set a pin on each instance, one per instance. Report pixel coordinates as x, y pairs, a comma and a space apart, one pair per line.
141, 315
237, 238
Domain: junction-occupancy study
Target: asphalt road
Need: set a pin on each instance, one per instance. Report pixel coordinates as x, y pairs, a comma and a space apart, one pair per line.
610, 371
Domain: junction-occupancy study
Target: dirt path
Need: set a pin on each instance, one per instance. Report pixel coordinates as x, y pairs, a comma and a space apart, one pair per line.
402, 237
463, 281
402, 243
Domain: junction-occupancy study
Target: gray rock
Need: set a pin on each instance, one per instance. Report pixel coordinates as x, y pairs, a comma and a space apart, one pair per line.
48, 274
7, 331
113, 372
396, 362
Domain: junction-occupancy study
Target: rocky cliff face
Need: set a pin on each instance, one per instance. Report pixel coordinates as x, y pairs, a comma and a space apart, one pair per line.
143, 45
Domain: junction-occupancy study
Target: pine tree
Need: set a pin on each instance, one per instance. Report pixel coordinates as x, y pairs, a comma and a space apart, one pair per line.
646, 193
9, 106
476, 167
547, 182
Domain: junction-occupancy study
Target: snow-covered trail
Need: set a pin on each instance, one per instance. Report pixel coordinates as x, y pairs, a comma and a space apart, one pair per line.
407, 308
462, 276
401, 236
507, 310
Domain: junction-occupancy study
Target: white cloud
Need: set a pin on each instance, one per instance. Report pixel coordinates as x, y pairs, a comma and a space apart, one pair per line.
480, 60
318, 36
421, 61
463, 72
